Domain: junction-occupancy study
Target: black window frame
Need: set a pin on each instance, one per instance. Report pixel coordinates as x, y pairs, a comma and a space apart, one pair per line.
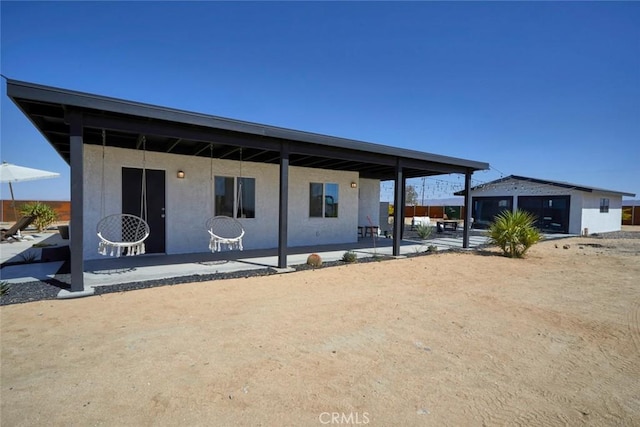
495, 208
233, 210
323, 205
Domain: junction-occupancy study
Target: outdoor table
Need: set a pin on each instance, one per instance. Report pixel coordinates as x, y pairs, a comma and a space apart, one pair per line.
447, 224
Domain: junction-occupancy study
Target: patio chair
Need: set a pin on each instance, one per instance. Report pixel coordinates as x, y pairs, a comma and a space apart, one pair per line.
14, 231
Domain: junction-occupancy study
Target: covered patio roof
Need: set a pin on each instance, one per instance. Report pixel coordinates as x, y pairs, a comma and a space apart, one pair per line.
69, 120
182, 132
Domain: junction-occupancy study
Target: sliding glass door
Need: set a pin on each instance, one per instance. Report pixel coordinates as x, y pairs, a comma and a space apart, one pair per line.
551, 212
485, 209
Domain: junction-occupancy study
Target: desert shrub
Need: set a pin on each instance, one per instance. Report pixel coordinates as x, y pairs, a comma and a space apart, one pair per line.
4, 287
424, 231
314, 260
432, 248
45, 215
514, 232
350, 257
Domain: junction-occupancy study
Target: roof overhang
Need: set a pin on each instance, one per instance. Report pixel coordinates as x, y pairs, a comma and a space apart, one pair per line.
559, 184
183, 132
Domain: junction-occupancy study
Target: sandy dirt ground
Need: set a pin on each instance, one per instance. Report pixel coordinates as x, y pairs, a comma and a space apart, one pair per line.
446, 339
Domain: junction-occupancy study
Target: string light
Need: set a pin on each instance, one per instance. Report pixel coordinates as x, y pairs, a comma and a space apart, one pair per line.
429, 188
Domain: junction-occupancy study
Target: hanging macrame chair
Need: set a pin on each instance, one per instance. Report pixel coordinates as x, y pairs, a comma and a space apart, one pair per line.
123, 234
225, 232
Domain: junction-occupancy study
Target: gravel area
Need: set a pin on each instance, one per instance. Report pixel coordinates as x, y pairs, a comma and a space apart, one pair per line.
32, 291
617, 235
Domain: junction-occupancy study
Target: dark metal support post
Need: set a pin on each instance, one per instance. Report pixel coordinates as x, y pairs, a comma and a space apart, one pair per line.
77, 226
284, 205
467, 208
398, 208
403, 193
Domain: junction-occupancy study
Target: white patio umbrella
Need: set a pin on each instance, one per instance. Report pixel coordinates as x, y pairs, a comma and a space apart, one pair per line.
10, 173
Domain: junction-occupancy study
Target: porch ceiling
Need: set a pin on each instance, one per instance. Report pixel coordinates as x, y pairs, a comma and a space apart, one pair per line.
180, 132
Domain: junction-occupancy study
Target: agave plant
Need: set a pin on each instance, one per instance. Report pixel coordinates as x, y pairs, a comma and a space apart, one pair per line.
424, 231
514, 232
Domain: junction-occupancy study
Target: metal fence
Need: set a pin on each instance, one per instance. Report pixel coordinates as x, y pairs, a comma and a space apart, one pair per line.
63, 209
632, 213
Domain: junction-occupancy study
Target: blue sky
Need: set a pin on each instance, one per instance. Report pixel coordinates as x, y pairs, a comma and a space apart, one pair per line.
542, 89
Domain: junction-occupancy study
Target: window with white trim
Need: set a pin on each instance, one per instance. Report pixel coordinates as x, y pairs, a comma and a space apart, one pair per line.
604, 205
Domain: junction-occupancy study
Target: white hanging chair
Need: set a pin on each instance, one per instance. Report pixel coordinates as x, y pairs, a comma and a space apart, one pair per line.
122, 234
225, 232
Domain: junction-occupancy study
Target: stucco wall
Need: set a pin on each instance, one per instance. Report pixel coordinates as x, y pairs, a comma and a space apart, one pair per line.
575, 211
369, 201
304, 230
188, 200
601, 222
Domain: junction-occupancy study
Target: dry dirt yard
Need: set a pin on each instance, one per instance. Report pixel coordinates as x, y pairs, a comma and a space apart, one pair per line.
446, 339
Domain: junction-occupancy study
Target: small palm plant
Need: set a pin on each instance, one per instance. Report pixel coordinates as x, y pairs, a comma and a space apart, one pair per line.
44, 215
514, 232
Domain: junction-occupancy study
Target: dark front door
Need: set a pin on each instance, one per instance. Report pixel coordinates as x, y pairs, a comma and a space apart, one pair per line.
155, 195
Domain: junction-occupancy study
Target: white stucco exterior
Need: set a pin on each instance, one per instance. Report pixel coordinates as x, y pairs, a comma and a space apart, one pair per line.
189, 202
584, 207
369, 201
597, 222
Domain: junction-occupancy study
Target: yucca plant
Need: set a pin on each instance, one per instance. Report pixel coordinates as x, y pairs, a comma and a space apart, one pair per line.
4, 287
514, 232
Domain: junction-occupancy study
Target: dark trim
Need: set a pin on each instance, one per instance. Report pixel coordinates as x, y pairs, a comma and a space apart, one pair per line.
467, 209
76, 181
397, 208
178, 131
23, 92
284, 206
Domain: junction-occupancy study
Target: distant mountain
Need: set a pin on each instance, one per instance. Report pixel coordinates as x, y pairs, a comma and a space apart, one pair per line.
631, 202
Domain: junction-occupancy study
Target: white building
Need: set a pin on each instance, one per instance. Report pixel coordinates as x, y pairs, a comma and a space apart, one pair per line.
559, 207
296, 188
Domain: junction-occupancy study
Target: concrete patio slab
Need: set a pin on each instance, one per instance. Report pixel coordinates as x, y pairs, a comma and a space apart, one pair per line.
113, 271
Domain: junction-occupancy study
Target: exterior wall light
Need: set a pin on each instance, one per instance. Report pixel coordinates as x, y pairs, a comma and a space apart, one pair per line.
354, 185
181, 174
